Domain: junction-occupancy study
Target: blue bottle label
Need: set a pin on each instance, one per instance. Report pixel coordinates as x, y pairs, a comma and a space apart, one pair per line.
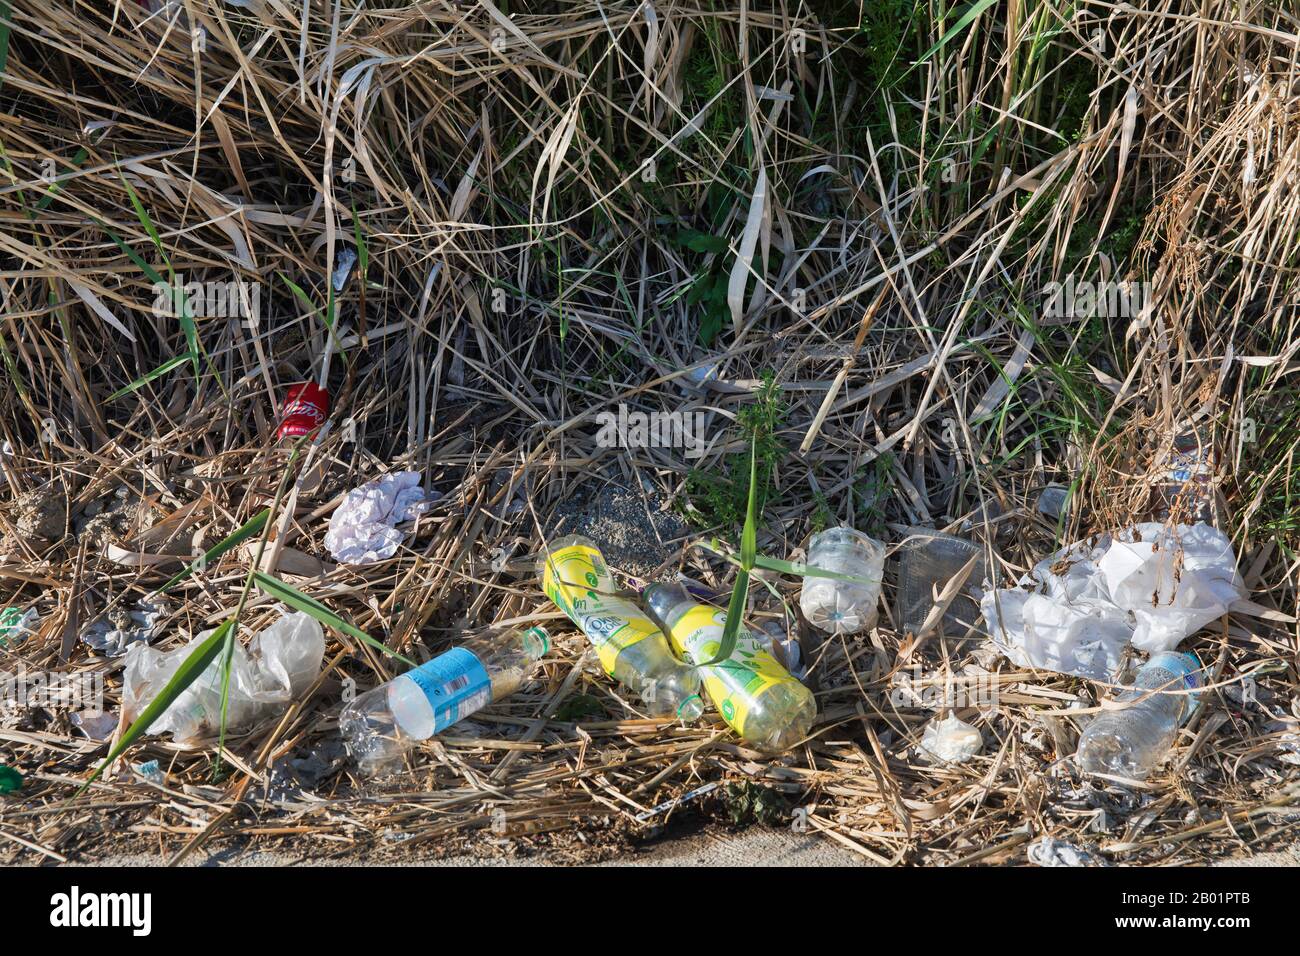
1186, 667
456, 684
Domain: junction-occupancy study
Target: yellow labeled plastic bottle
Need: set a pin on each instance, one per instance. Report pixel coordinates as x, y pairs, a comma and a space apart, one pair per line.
630, 646
756, 696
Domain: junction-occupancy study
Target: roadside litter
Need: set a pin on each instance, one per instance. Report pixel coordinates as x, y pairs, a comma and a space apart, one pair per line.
783, 645
280, 664
1050, 851
11, 781
151, 772
756, 696
951, 740
1131, 742
362, 529
16, 625
843, 607
928, 560
95, 724
630, 646
1148, 585
113, 633
382, 725
304, 410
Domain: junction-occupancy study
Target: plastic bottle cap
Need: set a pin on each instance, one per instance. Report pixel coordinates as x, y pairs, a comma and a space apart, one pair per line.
691, 708
539, 633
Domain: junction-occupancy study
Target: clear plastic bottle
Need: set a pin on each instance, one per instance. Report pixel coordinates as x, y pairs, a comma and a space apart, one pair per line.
381, 725
756, 696
1131, 742
631, 647
843, 607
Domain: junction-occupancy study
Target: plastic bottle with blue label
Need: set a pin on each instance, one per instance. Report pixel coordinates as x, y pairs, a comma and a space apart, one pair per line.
1131, 741
383, 724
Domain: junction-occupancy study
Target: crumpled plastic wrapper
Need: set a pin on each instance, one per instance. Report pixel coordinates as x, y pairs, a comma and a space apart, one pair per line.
1149, 585
951, 740
362, 527
1049, 851
279, 664
113, 634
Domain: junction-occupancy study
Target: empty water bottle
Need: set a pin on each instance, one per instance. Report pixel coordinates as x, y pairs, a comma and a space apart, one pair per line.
838, 606
381, 725
1130, 742
630, 646
756, 696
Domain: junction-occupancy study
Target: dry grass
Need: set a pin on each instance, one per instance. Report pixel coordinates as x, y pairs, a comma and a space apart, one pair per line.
526, 273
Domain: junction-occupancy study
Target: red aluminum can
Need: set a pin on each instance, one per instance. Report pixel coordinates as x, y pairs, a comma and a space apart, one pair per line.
304, 410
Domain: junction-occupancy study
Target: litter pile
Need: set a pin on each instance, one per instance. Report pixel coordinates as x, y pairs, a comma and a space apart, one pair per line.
375, 477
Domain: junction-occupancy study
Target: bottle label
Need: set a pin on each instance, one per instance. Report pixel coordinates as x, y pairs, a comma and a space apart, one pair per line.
1186, 668
736, 683
612, 624
456, 685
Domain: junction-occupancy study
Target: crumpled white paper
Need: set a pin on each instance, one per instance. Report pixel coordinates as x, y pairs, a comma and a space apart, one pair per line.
1148, 585
361, 528
951, 740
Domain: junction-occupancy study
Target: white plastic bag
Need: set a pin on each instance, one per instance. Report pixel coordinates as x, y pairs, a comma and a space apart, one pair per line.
362, 527
1148, 585
280, 663
951, 740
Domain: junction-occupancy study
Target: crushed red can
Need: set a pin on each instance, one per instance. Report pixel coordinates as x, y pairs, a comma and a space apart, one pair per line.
304, 410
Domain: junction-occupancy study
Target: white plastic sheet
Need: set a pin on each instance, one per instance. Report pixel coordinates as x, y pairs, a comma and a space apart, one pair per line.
279, 664
1149, 585
362, 527
951, 740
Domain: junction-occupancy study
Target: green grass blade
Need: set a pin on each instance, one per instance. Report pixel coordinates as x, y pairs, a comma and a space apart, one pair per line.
302, 296
296, 599
145, 221
134, 256
5, 13
48, 197
178, 297
249, 528
965, 20
748, 552
185, 675
148, 377
363, 251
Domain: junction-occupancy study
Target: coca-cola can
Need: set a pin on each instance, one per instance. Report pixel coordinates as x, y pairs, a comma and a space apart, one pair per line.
304, 410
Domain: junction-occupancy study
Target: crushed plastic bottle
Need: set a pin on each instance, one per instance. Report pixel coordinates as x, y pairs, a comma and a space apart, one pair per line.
380, 726
17, 625
756, 696
629, 644
1131, 742
927, 561
280, 663
843, 607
